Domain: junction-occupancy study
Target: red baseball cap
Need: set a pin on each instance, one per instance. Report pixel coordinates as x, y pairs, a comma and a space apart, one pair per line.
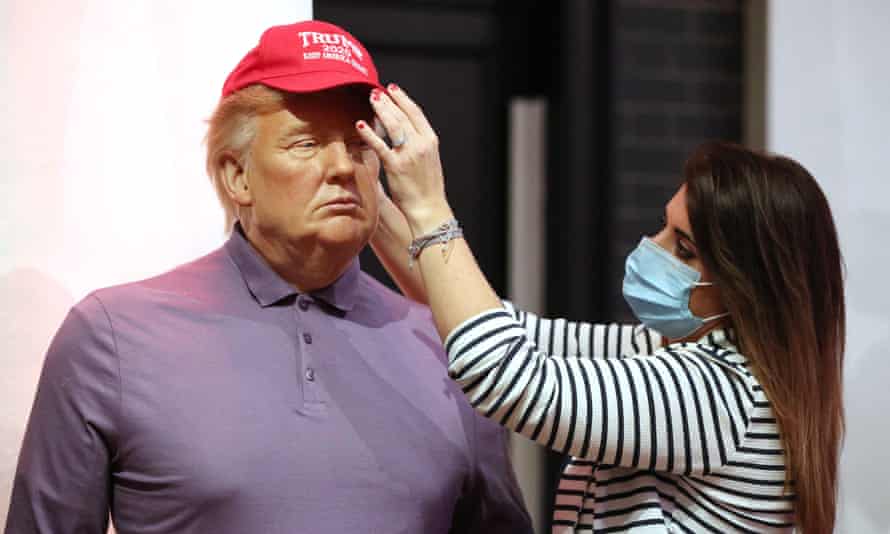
304, 57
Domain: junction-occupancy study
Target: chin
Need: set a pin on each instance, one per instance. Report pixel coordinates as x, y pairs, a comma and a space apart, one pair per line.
353, 234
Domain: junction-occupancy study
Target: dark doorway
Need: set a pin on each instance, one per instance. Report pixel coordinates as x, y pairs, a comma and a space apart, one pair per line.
448, 57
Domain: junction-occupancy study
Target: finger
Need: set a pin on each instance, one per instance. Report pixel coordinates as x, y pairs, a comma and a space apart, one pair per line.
374, 141
410, 109
394, 120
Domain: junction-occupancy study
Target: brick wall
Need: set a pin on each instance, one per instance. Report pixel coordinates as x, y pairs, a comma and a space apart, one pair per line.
676, 82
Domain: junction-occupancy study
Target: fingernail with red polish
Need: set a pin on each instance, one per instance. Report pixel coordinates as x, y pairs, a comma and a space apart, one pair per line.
375, 95
393, 87
361, 125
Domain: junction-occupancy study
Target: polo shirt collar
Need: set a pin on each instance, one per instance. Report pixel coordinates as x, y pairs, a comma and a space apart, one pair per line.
268, 288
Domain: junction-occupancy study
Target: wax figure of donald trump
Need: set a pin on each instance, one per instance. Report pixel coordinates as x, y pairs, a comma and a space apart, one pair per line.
270, 386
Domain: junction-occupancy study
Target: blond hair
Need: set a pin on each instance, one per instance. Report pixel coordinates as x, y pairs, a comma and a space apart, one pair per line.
231, 130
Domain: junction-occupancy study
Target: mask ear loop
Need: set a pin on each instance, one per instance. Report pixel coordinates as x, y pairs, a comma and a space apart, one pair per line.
715, 317
712, 317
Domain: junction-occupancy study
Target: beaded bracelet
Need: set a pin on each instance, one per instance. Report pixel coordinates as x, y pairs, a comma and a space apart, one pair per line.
444, 233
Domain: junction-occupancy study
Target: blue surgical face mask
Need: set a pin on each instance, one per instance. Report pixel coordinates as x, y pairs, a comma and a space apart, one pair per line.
657, 286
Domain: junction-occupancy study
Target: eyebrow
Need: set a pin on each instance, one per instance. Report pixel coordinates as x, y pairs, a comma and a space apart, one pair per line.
295, 130
681, 233
308, 129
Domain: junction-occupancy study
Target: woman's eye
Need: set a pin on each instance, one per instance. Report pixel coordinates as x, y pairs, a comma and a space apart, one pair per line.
683, 252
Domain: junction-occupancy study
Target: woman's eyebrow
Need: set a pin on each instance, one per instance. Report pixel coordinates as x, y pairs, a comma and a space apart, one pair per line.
681, 233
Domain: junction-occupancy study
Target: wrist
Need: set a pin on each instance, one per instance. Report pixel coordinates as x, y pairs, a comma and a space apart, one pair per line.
424, 220
443, 234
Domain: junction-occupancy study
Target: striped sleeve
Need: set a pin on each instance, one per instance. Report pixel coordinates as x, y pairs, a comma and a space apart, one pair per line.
673, 411
559, 337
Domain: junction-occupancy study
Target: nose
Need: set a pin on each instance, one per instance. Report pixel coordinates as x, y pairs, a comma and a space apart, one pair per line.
339, 162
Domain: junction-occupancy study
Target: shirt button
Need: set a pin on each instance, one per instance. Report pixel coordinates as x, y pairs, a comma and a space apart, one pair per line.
307, 338
310, 374
303, 304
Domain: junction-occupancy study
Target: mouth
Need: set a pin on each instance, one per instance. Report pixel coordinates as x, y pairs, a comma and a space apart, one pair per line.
342, 203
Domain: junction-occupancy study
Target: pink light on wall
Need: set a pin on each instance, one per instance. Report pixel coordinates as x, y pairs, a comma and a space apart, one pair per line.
103, 175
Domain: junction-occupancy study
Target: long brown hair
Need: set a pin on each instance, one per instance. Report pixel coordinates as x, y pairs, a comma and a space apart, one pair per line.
764, 229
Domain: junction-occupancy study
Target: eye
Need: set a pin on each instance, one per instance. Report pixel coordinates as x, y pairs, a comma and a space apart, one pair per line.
305, 144
684, 252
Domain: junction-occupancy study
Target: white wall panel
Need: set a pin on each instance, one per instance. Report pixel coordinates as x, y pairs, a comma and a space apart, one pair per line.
828, 105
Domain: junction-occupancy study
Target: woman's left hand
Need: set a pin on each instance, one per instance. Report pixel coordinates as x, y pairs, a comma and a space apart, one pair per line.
412, 165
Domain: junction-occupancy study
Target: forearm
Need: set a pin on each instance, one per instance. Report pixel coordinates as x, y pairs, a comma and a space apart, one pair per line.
614, 411
580, 339
390, 244
455, 286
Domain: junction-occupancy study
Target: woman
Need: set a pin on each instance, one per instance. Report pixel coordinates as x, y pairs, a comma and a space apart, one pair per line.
730, 420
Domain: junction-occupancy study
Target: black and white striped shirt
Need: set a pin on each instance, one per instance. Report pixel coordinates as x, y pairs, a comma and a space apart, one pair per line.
678, 438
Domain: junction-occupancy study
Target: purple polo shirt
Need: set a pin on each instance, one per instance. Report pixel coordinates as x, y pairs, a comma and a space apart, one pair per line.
217, 399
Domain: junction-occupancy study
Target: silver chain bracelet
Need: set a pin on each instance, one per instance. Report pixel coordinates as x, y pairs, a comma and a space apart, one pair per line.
445, 232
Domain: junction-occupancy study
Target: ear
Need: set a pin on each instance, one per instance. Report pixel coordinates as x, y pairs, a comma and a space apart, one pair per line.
234, 178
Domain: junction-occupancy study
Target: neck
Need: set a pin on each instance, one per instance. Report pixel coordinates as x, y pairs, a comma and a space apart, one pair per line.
307, 265
700, 333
